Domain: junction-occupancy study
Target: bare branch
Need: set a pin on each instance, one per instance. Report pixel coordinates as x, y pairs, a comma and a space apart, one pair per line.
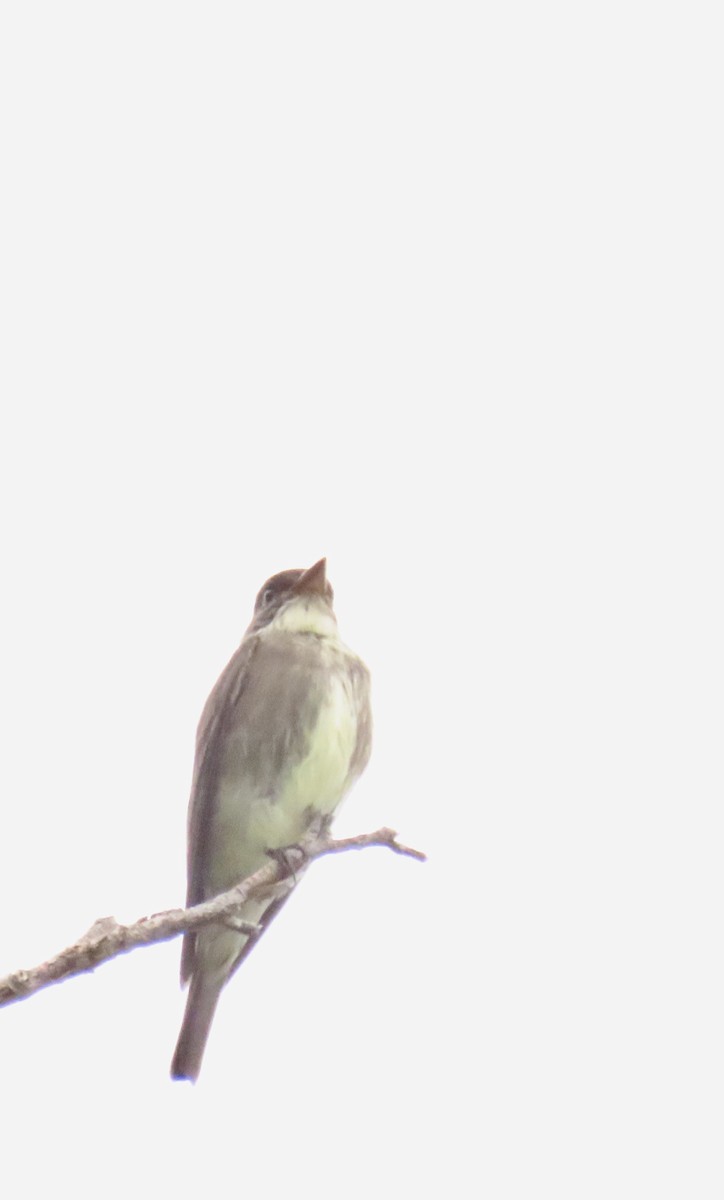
106, 938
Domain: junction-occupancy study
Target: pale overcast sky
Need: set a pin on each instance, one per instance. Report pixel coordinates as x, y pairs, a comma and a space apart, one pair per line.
434, 290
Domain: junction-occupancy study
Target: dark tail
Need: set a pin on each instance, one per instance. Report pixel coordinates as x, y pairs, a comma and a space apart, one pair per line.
200, 1008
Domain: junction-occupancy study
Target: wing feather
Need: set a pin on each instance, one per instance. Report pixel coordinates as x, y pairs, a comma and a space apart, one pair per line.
219, 711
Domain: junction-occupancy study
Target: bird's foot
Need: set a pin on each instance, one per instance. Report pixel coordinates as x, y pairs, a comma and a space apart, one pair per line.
283, 855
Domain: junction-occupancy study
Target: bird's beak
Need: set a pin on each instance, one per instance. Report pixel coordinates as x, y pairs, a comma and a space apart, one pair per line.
313, 580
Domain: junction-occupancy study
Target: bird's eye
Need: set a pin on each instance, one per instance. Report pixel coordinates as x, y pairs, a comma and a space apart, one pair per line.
268, 595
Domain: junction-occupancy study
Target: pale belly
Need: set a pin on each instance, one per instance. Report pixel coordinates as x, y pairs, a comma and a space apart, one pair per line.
249, 824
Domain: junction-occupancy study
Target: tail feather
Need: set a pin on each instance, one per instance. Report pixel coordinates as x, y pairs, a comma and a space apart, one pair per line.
201, 1004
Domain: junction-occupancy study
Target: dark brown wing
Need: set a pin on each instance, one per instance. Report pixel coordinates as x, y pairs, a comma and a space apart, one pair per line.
219, 711
363, 745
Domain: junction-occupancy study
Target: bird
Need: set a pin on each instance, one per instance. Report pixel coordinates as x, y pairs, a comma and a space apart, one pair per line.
284, 734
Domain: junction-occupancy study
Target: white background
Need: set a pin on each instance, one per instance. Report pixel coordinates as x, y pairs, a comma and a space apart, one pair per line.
434, 290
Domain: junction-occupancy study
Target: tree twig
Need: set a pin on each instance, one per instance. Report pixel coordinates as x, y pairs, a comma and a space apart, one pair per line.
106, 938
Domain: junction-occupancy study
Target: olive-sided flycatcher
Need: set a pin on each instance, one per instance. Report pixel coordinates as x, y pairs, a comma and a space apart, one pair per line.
284, 734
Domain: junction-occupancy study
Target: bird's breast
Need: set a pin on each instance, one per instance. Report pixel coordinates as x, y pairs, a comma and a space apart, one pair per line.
320, 778
292, 754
